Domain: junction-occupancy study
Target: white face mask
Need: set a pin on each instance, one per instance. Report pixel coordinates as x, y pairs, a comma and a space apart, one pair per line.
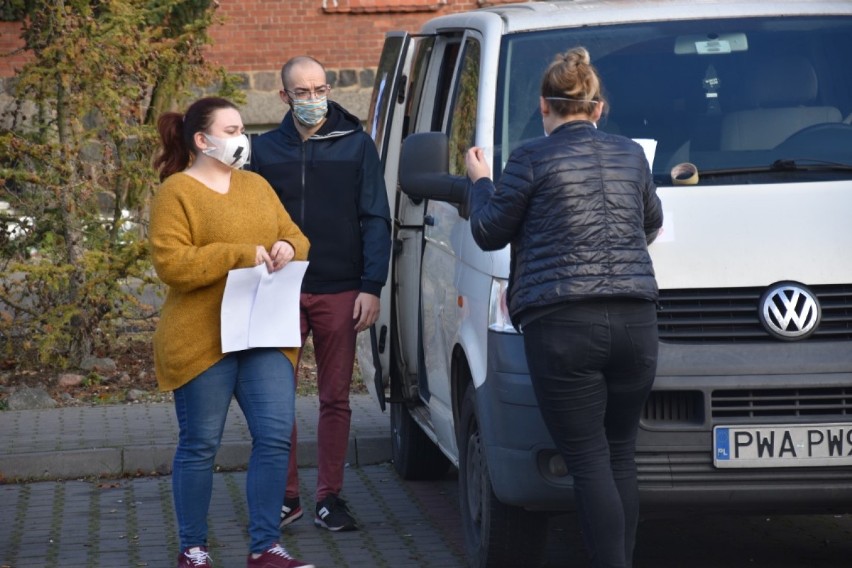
232, 152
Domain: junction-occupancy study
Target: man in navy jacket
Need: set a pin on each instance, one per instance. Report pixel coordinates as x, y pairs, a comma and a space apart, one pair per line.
327, 173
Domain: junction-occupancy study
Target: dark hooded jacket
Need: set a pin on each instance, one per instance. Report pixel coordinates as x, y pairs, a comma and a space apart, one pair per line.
333, 187
579, 208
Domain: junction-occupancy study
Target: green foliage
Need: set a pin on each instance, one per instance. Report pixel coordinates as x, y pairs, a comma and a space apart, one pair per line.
12, 10
75, 165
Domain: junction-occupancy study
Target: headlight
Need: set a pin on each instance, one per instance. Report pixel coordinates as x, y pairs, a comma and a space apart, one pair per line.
498, 311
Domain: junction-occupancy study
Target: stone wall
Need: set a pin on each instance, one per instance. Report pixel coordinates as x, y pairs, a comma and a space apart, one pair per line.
264, 108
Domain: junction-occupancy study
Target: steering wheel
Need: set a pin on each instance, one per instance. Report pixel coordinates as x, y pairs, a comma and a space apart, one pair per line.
834, 135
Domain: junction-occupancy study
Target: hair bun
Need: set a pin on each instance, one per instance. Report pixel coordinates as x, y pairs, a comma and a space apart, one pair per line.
577, 56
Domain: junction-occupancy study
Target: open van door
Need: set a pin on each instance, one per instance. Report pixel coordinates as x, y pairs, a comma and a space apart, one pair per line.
385, 124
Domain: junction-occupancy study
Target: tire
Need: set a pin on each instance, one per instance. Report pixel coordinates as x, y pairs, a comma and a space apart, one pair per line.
496, 535
415, 456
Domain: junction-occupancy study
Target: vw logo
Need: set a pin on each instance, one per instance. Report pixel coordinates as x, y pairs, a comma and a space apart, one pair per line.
789, 311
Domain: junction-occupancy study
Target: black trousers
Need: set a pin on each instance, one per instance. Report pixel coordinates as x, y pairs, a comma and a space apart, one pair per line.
592, 364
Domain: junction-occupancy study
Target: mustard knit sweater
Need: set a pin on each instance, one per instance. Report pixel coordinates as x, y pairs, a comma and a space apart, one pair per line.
197, 235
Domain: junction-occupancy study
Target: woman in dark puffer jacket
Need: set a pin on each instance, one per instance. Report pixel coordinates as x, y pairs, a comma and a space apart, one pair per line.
579, 208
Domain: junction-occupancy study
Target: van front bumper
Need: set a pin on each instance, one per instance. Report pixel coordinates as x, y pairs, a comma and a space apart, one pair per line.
674, 457
516, 439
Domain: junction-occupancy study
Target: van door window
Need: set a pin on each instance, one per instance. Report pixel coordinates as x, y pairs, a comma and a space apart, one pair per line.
463, 109
417, 104
433, 65
385, 89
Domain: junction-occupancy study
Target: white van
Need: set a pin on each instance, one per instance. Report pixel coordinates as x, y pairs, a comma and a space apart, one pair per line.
752, 405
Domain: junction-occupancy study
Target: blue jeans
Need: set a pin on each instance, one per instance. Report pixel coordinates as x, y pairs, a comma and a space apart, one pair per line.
592, 365
263, 384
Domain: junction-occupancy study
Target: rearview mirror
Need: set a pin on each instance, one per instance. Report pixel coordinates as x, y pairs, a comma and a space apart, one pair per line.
710, 44
424, 170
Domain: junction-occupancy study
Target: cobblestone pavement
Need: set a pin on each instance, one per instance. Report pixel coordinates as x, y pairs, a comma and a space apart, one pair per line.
130, 523
96, 494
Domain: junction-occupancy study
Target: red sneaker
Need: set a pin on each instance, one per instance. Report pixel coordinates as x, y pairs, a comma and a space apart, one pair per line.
275, 557
195, 557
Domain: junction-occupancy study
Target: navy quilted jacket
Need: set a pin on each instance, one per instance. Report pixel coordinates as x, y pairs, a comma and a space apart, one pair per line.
579, 208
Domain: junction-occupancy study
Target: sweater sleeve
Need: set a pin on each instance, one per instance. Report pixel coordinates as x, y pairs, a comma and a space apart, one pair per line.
179, 263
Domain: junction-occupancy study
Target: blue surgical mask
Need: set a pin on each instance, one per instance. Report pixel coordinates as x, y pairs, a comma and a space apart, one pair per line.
310, 112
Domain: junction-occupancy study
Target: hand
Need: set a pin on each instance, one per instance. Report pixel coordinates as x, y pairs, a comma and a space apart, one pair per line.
477, 167
366, 311
262, 257
281, 253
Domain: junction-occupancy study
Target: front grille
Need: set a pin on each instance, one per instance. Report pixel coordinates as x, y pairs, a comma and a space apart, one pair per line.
782, 403
687, 468
715, 315
674, 406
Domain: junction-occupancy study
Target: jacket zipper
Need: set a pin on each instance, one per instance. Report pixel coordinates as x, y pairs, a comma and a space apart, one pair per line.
304, 173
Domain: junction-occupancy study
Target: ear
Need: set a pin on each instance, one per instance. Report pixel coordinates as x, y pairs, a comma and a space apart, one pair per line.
284, 96
201, 143
596, 115
543, 106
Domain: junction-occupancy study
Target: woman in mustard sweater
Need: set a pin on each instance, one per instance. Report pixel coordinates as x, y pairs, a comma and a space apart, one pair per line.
207, 218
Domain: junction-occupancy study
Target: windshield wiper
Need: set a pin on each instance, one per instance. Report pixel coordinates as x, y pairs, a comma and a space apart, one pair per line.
780, 165
809, 165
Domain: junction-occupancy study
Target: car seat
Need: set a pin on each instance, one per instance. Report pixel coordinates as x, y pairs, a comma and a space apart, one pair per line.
783, 92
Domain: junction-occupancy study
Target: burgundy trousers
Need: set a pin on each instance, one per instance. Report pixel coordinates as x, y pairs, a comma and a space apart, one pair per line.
329, 318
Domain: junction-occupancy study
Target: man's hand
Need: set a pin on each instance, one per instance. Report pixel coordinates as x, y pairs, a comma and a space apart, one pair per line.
366, 311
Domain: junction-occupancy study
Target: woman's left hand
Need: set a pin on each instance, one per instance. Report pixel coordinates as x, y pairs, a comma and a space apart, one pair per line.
477, 167
281, 253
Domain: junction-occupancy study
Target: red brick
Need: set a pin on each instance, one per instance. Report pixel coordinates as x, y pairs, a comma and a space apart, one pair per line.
262, 34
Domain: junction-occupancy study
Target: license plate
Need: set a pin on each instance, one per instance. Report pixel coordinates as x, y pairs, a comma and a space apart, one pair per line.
779, 445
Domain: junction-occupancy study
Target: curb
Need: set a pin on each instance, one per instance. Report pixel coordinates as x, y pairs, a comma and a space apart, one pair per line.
157, 459
130, 440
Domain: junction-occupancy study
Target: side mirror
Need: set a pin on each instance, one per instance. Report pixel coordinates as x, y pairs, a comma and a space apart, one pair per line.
424, 170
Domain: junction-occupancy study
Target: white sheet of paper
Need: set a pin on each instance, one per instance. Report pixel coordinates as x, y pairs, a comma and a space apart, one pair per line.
261, 309
649, 145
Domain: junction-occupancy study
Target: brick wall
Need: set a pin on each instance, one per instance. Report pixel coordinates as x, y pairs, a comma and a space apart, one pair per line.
258, 36
10, 43
262, 34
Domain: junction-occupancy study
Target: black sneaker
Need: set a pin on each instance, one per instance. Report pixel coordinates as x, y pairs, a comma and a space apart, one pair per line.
332, 514
291, 511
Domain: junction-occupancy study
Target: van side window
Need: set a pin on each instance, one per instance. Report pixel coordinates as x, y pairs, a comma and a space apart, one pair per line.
416, 105
463, 110
445, 81
383, 99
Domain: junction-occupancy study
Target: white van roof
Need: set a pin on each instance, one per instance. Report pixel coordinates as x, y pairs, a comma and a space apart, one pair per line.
575, 13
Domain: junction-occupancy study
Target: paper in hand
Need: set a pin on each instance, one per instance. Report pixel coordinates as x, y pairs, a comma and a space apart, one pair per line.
260, 309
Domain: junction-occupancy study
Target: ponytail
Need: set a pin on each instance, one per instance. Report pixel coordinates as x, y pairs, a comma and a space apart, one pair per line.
174, 156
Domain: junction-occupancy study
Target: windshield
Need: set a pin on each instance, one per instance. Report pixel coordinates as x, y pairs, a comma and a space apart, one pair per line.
746, 100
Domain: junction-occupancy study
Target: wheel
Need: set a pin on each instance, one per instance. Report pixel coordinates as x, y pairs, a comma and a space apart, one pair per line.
496, 535
415, 456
